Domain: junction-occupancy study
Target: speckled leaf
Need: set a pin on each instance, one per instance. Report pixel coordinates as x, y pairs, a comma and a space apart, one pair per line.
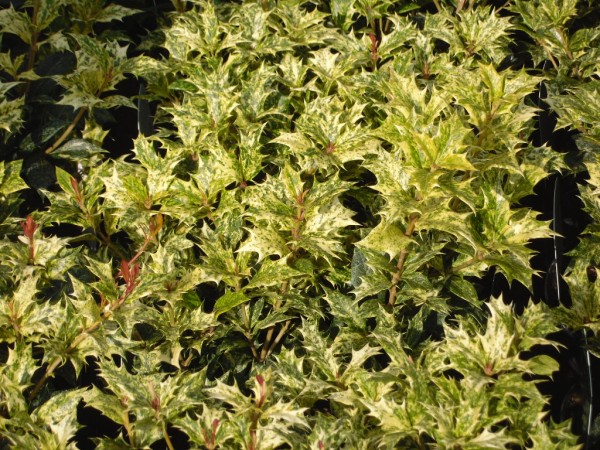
10, 180
229, 301
386, 238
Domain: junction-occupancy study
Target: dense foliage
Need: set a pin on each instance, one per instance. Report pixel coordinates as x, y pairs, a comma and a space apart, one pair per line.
297, 251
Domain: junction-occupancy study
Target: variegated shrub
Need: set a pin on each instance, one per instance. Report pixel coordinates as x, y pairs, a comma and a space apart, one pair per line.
295, 252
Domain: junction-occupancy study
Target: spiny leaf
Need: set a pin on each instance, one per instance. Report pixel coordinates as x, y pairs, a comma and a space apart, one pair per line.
386, 238
272, 273
10, 181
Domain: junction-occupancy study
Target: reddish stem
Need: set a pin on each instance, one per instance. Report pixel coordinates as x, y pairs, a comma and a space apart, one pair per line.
29, 226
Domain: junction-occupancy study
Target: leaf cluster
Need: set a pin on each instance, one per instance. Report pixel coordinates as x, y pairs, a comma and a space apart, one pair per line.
294, 255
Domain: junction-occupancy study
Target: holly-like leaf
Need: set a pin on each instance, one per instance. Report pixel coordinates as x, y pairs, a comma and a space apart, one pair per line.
506, 233
272, 273
386, 238
265, 241
10, 180
99, 68
477, 31
329, 133
229, 301
17, 23
311, 218
579, 109
11, 114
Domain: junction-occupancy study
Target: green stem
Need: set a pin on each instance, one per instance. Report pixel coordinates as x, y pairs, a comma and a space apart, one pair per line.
248, 334
410, 228
179, 6
474, 260
35, 35
455, 202
503, 6
167, 438
278, 338
68, 131
82, 336
58, 360
386, 27
296, 231
264, 353
128, 429
105, 83
550, 57
14, 320
105, 240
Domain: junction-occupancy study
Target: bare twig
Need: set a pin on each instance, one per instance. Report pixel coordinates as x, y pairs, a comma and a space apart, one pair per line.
265, 349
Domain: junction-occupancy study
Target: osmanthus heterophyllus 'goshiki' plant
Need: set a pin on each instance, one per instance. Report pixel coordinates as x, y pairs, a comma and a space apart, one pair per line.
296, 257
